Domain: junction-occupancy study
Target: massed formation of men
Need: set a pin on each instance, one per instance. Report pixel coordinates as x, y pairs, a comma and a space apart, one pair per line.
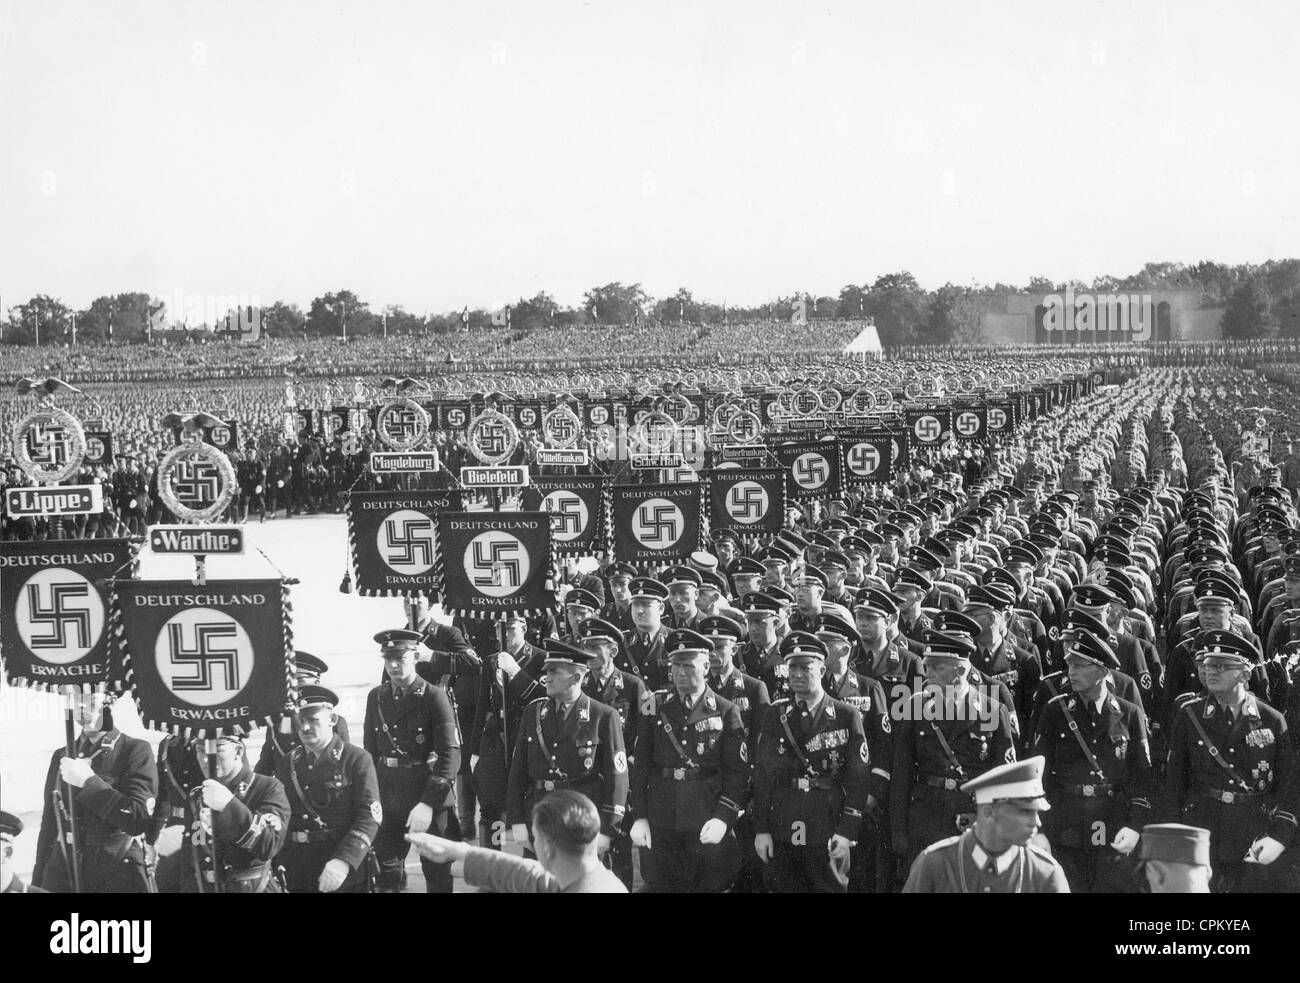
990, 681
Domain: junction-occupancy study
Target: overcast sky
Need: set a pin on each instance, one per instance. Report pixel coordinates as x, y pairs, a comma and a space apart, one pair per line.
437, 154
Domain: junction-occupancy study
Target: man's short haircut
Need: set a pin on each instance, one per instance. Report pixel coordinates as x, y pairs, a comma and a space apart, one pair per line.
569, 819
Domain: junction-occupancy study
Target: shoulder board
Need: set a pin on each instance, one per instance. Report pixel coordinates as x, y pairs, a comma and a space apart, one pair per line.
941, 844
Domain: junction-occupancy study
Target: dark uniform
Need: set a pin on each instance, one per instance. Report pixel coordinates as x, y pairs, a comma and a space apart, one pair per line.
248, 832
113, 810
811, 780
178, 774
416, 749
279, 745
488, 742
583, 751
690, 766
647, 658
334, 814
1098, 779
1235, 793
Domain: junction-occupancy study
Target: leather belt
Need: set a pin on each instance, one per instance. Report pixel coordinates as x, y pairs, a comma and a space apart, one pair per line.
551, 784
807, 784
1090, 791
314, 835
687, 774
400, 763
1230, 798
949, 784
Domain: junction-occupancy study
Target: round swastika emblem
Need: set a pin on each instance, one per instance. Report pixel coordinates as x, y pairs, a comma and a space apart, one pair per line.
928, 429
658, 524
94, 449
405, 541
60, 615
204, 656
997, 418
569, 515
497, 563
747, 502
811, 470
863, 459
968, 423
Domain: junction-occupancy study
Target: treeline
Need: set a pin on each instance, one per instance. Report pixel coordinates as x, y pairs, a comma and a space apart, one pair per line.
1259, 302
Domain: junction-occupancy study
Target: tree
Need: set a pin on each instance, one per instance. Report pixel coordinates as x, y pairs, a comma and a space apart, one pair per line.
615, 303
899, 306
326, 315
953, 317
282, 320
853, 301
1249, 313
680, 307
43, 318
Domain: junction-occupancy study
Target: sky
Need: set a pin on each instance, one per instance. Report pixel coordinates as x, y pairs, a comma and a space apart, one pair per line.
469, 152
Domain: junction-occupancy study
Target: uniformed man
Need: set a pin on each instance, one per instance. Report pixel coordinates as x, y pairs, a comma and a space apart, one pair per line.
568, 740
810, 779
996, 655
412, 736
1230, 759
881, 652
281, 741
579, 605
606, 683
996, 855
645, 656
1176, 858
865, 694
760, 656
10, 882
510, 681
950, 732
1098, 772
334, 807
683, 585
747, 576
618, 611
240, 819
911, 587
690, 774
111, 784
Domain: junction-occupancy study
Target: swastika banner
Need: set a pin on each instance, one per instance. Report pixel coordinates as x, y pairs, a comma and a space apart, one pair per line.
206, 661
748, 501
868, 457
970, 422
392, 538
224, 436
926, 427
656, 525
812, 469
494, 564
54, 611
579, 509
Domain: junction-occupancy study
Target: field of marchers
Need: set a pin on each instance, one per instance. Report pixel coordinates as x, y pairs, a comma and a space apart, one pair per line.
336, 627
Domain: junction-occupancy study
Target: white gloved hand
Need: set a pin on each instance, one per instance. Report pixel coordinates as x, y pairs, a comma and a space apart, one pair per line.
763, 846
1125, 840
839, 846
473, 761
75, 771
333, 876
712, 832
508, 664
419, 818
640, 834
519, 831
1264, 851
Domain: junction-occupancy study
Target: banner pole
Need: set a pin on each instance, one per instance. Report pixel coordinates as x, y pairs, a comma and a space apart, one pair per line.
69, 749
210, 750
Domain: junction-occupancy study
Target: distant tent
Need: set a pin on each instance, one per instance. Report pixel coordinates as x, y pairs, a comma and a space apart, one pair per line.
867, 342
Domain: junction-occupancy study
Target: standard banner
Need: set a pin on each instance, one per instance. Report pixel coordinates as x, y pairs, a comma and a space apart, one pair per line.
99, 448
658, 524
868, 457
812, 469
747, 501
206, 661
970, 422
579, 509
54, 611
927, 427
495, 564
392, 537
224, 436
